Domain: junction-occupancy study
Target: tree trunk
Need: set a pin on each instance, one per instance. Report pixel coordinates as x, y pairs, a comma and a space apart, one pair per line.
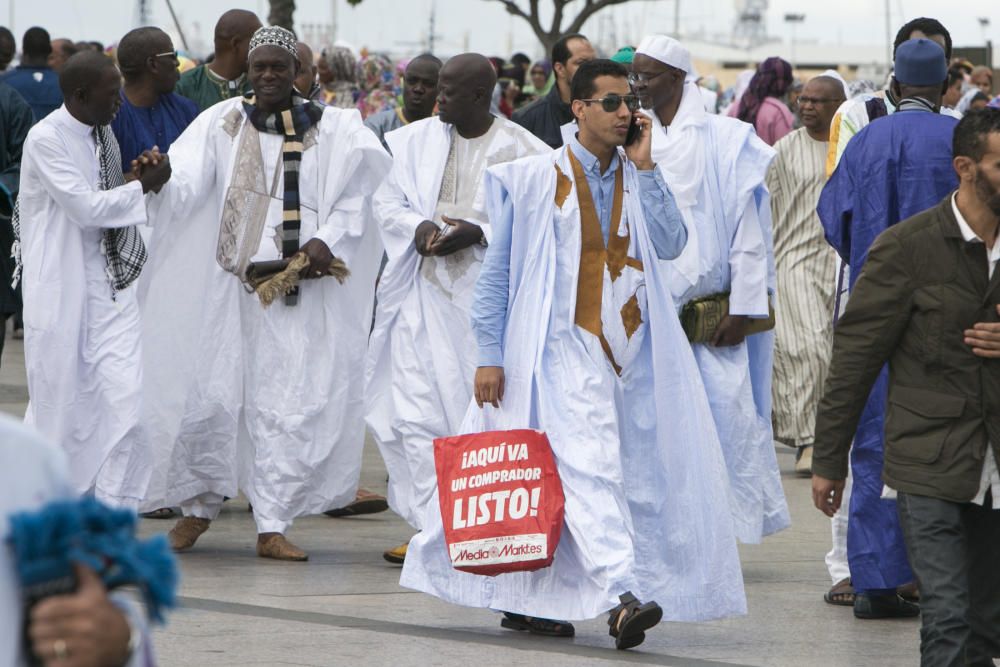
281, 13
549, 37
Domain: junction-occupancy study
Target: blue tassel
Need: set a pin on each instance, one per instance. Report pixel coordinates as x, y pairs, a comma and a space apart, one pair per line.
49, 541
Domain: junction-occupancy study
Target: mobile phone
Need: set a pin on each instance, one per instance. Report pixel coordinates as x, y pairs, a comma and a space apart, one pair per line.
633, 132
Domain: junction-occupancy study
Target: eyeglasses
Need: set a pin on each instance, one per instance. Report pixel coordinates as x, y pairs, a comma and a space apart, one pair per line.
165, 54
815, 101
613, 101
636, 77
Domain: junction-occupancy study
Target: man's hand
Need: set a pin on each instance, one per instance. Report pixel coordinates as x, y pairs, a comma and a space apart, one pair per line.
83, 629
827, 494
639, 152
984, 339
319, 256
148, 157
462, 234
152, 169
732, 330
489, 385
424, 236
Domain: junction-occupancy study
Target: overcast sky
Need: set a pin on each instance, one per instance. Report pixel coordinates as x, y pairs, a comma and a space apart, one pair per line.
482, 25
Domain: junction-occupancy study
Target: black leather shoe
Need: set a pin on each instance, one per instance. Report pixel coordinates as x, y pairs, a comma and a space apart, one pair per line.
867, 605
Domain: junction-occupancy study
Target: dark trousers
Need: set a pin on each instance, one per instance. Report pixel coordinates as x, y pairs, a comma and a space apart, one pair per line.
954, 550
3, 330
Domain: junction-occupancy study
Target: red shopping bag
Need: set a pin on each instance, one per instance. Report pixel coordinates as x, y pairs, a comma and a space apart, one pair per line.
501, 500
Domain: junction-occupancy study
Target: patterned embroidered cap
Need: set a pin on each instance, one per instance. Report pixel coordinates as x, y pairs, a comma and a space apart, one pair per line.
274, 36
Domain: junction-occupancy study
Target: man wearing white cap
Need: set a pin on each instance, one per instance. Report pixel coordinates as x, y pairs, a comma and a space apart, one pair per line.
716, 167
243, 398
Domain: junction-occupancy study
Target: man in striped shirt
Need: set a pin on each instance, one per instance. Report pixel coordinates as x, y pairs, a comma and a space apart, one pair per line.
805, 266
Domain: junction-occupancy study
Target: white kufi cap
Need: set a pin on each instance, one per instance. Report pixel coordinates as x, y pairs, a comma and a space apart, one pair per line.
667, 50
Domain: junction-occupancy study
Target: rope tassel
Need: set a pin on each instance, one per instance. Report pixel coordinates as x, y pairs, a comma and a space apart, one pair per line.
285, 281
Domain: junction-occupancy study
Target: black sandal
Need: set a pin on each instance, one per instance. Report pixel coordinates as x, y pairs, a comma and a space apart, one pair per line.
628, 622
161, 513
537, 626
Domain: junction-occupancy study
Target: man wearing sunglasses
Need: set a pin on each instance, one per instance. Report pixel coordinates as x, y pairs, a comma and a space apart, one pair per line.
578, 337
152, 114
716, 166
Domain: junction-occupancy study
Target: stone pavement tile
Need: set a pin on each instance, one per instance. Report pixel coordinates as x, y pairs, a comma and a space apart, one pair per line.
13, 382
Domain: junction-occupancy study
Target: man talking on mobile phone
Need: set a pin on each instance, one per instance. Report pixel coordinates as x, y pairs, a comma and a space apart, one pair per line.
577, 336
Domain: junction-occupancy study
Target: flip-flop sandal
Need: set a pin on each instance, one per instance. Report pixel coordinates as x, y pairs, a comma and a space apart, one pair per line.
841, 594
162, 513
537, 626
630, 631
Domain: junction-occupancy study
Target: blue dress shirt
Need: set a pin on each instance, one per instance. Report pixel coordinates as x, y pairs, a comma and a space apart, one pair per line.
138, 129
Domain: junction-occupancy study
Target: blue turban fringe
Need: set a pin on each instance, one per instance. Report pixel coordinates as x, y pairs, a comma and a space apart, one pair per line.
47, 543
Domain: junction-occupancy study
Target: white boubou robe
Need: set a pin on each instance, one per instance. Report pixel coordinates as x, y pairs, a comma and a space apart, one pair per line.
716, 168
81, 344
422, 357
267, 401
642, 472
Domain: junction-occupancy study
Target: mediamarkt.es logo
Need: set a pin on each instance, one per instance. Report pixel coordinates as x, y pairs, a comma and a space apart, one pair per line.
495, 550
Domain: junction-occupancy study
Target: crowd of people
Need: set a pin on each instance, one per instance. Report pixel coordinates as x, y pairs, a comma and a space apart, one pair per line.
232, 270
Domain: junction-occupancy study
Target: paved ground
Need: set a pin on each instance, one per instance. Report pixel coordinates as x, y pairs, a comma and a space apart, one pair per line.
344, 607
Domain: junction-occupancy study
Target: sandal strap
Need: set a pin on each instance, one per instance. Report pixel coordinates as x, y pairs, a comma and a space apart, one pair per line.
628, 603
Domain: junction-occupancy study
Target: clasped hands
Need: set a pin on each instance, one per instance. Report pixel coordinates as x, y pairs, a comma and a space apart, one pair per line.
431, 241
152, 169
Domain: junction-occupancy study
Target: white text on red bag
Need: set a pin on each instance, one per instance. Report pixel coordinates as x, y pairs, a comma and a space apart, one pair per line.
501, 500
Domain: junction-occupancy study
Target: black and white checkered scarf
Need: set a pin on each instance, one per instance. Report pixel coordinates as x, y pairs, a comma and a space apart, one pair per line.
122, 246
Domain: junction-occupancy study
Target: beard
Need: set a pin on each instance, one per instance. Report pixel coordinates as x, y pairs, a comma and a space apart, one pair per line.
986, 193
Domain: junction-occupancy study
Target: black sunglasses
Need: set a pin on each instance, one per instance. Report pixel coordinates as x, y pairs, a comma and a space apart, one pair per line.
613, 101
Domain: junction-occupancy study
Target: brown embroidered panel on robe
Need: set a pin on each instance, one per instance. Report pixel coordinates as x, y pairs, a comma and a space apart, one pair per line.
594, 256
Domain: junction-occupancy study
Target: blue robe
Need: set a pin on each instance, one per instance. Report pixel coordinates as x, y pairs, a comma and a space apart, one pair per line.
894, 168
140, 128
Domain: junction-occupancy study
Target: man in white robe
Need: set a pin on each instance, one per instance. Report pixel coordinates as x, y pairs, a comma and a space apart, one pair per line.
243, 398
432, 211
716, 167
80, 256
614, 386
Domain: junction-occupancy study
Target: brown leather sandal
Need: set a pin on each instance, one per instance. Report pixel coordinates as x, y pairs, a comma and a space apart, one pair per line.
841, 594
